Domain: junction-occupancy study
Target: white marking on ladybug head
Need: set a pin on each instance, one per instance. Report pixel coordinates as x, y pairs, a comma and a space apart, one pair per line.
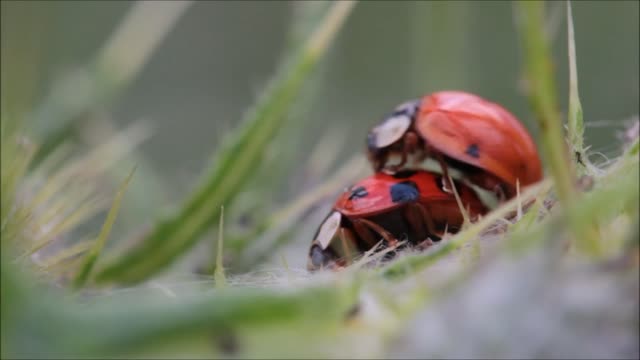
328, 230
407, 107
391, 130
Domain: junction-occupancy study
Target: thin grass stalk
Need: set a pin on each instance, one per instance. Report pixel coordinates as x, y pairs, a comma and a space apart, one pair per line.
91, 258
538, 65
218, 274
575, 123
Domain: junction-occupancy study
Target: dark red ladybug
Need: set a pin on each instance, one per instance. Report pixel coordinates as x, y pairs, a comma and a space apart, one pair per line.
412, 205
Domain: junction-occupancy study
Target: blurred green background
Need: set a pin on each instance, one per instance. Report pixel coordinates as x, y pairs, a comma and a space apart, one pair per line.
213, 63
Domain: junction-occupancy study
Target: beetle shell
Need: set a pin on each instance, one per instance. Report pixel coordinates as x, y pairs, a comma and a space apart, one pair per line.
409, 205
481, 133
480, 138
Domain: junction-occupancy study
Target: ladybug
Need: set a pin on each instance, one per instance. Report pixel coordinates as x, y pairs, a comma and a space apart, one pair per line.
412, 205
463, 131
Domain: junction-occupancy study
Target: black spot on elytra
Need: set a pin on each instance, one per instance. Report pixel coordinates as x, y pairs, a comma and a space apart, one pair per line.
405, 191
403, 174
358, 192
473, 151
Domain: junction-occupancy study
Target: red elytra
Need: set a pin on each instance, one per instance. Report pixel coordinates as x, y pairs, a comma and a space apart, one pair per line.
411, 205
463, 131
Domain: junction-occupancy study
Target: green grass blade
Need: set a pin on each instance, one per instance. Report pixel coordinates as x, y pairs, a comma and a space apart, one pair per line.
98, 245
538, 66
243, 150
15, 161
104, 327
576, 124
633, 149
68, 222
218, 273
62, 257
114, 67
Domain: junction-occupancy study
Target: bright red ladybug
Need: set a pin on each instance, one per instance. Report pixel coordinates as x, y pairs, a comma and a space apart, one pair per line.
464, 131
409, 205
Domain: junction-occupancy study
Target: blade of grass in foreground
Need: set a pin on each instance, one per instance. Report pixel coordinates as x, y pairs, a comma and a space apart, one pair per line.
538, 66
218, 273
92, 256
234, 164
104, 327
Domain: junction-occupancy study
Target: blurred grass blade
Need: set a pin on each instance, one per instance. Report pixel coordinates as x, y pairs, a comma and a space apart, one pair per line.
218, 274
305, 15
61, 258
15, 159
133, 43
69, 221
234, 164
633, 149
66, 197
104, 327
538, 66
98, 245
278, 169
92, 163
115, 66
576, 124
144, 195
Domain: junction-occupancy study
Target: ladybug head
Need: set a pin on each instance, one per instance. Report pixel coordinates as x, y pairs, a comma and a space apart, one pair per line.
320, 254
388, 136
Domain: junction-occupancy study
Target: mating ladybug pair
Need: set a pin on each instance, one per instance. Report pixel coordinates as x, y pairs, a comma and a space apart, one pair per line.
483, 141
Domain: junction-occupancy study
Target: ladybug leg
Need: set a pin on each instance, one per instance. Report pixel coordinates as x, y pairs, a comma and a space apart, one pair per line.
345, 245
388, 237
363, 233
427, 220
411, 141
415, 219
378, 160
409, 146
447, 186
